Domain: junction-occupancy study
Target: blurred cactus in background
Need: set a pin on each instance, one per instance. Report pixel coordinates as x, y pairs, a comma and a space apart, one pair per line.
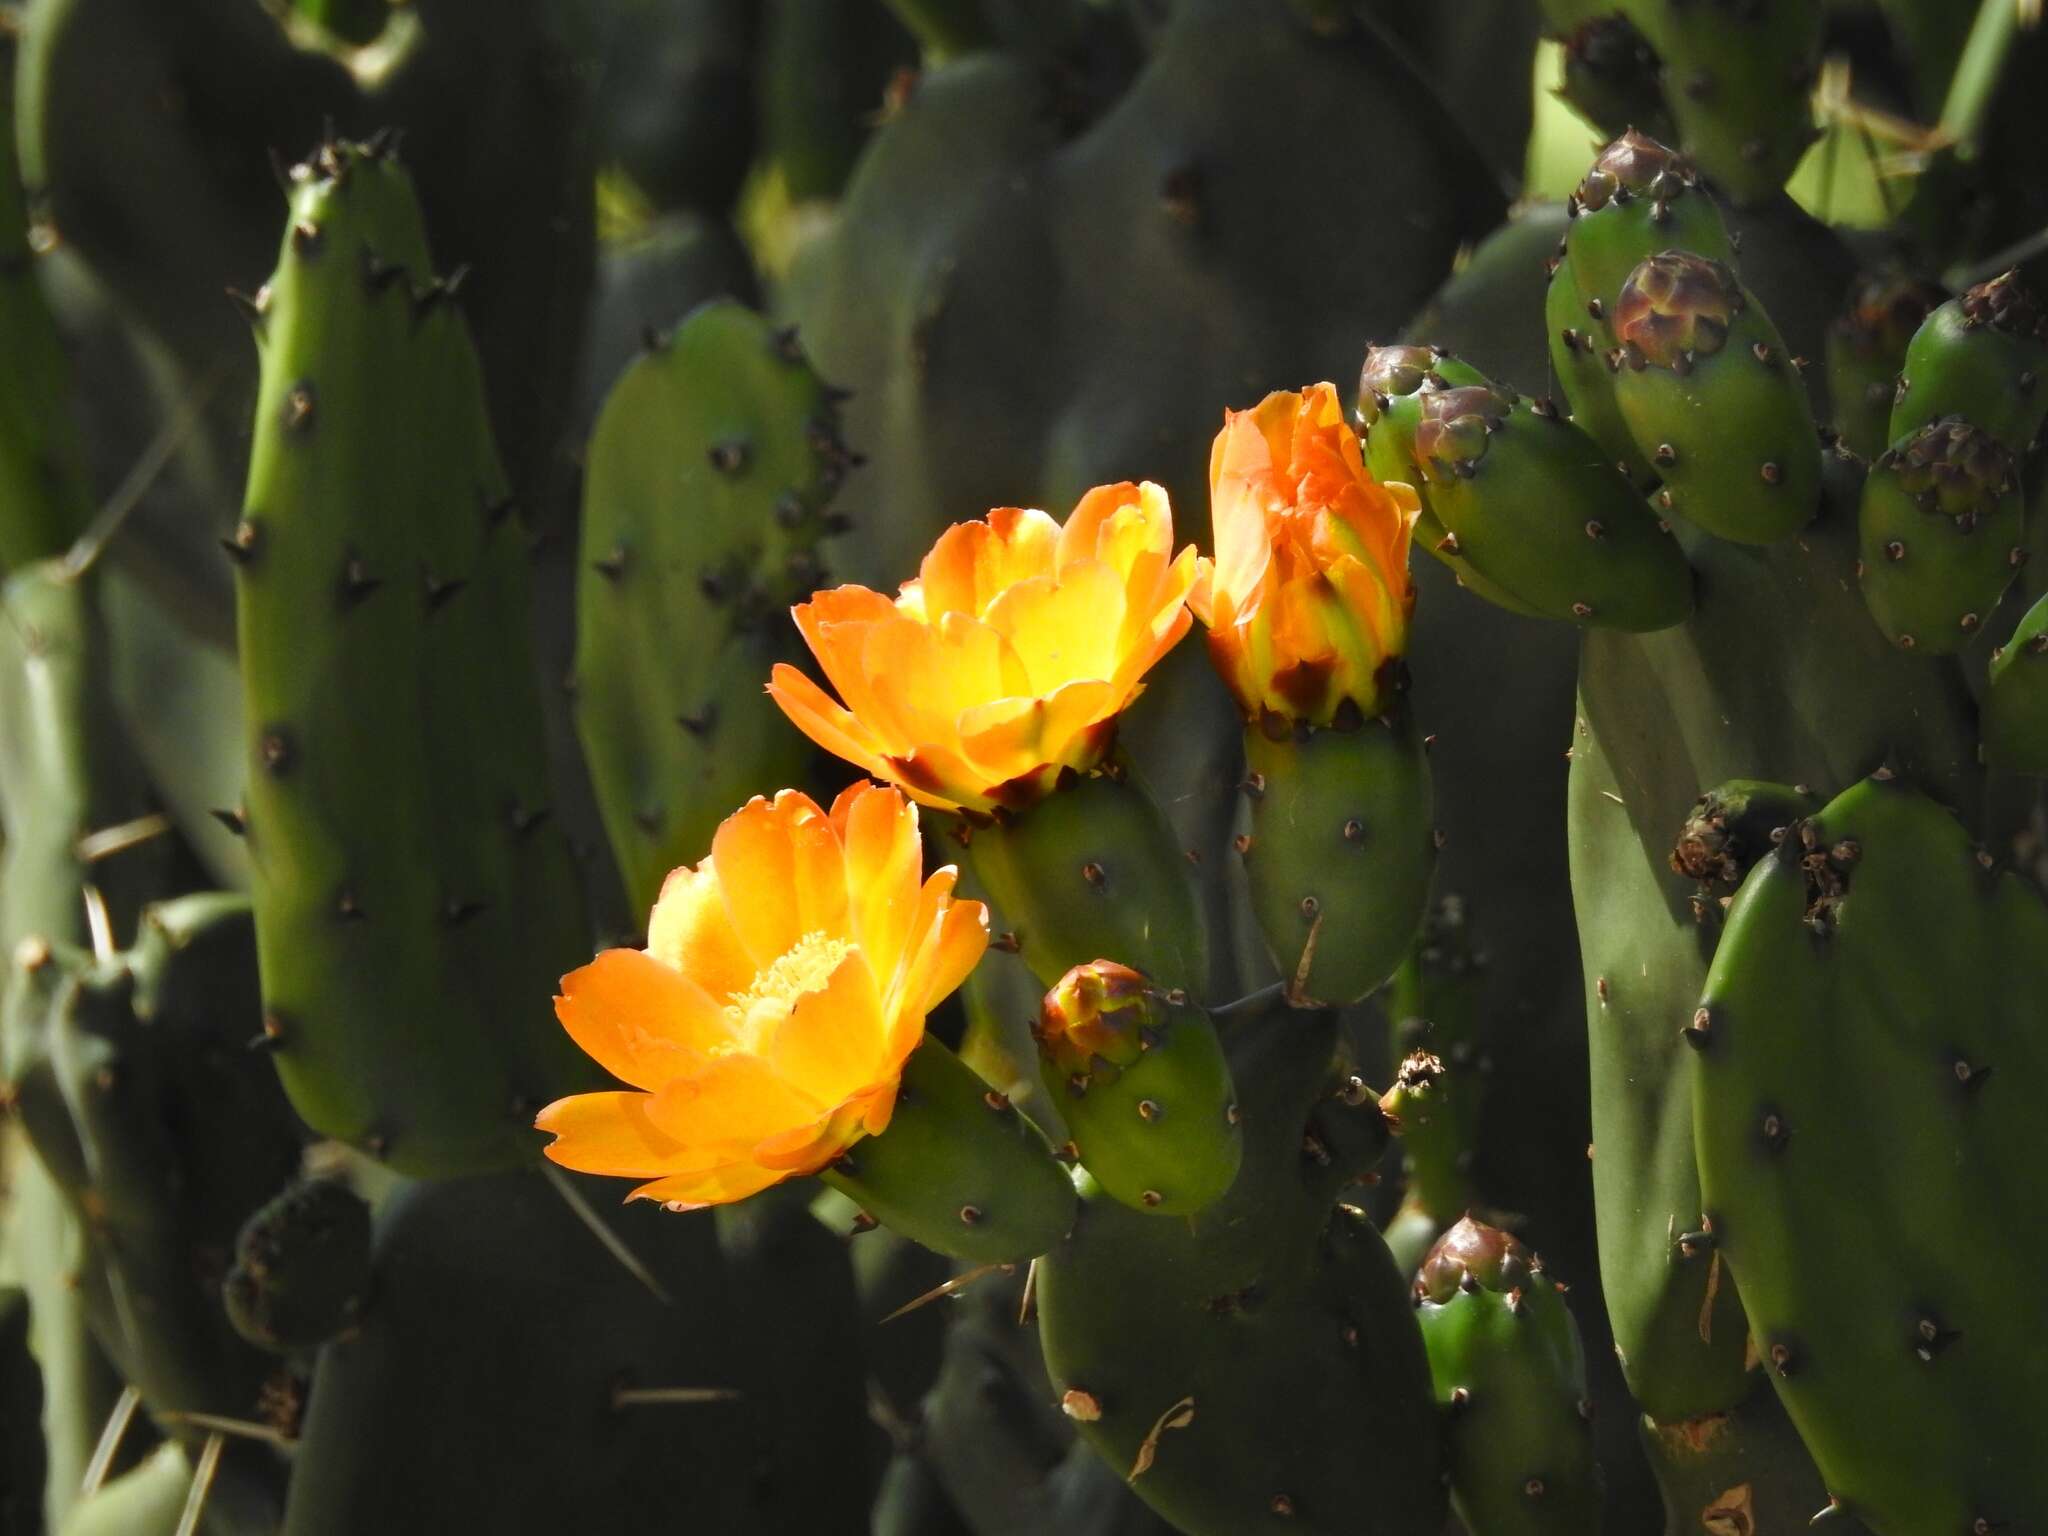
730, 802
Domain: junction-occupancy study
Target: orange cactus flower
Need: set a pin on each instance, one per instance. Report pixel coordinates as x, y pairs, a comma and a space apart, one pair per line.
1007, 660
764, 1028
1309, 596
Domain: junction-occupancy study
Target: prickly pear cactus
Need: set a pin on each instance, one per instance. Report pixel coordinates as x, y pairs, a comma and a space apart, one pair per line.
2016, 699
1735, 76
1254, 820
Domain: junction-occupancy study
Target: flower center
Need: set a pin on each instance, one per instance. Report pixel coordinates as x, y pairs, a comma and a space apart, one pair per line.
777, 988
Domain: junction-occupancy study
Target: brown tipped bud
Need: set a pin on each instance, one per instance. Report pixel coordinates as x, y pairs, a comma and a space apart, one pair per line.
1676, 305
1390, 372
1418, 1089
1952, 469
1476, 1254
1456, 423
1098, 1012
1635, 165
2007, 304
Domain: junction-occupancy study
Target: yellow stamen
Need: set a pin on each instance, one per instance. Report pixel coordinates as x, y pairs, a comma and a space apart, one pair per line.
777, 988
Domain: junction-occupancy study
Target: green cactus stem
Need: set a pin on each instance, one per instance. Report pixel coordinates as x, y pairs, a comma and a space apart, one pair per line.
1737, 75
1259, 1364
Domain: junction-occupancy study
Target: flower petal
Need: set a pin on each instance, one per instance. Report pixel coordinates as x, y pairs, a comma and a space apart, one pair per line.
689, 931
608, 1133
641, 1020
732, 1103
973, 561
1063, 630
1010, 737
757, 875
831, 1043
710, 1186
954, 933
884, 861
814, 712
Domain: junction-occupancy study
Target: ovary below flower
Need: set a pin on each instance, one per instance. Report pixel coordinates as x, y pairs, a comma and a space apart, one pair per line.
764, 1028
1007, 660
1309, 597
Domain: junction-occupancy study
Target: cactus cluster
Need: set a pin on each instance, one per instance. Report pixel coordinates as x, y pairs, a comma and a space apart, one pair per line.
562, 676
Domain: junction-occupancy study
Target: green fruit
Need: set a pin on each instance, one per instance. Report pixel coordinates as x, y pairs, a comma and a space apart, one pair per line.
1980, 356
1710, 395
1094, 872
1511, 1376
1584, 366
1639, 198
1941, 531
1340, 851
1140, 1080
301, 1273
2016, 703
1866, 349
1528, 502
1610, 75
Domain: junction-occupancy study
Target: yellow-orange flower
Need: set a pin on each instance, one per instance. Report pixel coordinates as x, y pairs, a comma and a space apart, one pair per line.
1007, 660
764, 1028
1309, 595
